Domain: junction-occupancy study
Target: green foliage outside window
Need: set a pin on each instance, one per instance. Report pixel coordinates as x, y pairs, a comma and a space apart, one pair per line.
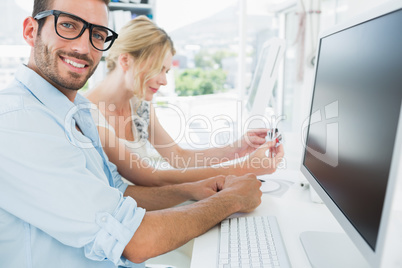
192, 82
207, 78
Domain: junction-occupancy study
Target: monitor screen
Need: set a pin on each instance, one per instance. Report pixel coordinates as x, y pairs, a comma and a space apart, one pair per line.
354, 117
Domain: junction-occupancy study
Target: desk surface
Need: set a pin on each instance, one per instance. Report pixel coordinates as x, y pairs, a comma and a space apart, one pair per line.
295, 213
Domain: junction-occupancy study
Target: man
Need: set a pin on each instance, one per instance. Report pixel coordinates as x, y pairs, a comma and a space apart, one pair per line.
62, 203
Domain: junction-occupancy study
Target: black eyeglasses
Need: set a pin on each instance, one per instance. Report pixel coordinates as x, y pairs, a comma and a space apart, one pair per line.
70, 27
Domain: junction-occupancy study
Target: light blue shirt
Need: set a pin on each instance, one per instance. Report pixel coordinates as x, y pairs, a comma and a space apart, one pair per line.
61, 200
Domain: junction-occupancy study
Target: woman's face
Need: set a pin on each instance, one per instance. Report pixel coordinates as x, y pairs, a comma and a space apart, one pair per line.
153, 85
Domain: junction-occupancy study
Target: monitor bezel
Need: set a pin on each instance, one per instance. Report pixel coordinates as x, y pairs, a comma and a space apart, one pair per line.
372, 256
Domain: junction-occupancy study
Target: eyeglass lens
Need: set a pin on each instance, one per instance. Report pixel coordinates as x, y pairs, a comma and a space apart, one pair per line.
70, 27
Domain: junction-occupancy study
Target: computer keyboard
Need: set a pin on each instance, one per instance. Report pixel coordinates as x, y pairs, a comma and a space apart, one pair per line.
251, 242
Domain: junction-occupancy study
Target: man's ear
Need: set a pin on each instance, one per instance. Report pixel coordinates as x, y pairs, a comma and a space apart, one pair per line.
125, 61
30, 30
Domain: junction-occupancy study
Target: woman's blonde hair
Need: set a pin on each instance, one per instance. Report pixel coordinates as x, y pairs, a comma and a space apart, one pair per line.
147, 44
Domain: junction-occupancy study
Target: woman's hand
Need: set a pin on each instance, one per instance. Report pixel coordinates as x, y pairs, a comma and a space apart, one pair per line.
250, 141
265, 159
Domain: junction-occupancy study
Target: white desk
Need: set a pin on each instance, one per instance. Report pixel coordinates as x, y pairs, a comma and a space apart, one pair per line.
295, 214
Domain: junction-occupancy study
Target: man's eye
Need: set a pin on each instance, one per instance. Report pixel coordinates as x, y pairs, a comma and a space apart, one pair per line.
98, 37
67, 25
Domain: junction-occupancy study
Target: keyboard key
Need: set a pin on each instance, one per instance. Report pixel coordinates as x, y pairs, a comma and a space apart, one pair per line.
251, 242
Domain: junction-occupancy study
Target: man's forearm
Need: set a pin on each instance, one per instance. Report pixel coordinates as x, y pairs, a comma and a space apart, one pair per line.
154, 198
162, 231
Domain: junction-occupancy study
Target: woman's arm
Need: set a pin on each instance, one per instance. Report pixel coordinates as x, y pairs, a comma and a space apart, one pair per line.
185, 158
136, 170
140, 172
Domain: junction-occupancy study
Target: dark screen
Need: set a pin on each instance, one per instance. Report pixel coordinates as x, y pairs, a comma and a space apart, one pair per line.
357, 94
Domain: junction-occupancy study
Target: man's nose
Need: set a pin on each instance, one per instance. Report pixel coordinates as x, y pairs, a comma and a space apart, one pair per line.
82, 44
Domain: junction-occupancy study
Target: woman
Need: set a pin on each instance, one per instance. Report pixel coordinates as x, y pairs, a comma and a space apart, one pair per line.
138, 63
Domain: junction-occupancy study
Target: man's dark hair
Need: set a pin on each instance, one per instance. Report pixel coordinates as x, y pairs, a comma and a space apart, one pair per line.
42, 5
39, 6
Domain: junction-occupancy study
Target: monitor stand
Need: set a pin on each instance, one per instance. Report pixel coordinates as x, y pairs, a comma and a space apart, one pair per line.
331, 250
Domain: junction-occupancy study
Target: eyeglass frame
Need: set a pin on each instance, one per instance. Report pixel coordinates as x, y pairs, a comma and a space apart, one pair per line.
87, 25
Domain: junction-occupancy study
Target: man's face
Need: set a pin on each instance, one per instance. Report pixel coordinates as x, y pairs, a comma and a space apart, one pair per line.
68, 64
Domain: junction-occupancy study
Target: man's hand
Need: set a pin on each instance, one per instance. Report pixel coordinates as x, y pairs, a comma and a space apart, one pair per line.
206, 188
246, 189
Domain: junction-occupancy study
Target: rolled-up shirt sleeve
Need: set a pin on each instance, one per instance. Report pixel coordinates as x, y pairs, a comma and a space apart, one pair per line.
115, 233
54, 186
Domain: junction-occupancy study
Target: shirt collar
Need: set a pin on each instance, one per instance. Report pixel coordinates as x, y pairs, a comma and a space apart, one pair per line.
62, 107
48, 95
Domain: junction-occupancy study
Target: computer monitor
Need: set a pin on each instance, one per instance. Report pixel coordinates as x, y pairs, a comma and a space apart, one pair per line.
265, 76
353, 138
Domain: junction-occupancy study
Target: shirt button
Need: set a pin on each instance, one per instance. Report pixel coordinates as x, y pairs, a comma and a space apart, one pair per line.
104, 219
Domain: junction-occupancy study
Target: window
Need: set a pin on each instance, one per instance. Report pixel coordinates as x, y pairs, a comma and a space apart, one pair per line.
203, 90
13, 49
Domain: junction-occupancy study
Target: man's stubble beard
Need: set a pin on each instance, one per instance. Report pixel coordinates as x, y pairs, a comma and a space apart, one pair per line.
48, 63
